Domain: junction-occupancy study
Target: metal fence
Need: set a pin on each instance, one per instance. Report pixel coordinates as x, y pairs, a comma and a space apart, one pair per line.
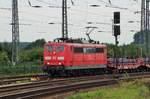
21, 68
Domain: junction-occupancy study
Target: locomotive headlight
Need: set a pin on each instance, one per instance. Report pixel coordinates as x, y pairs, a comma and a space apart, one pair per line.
60, 63
48, 63
48, 58
60, 58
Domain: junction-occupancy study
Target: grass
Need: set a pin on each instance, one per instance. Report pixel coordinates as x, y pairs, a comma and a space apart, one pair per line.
125, 90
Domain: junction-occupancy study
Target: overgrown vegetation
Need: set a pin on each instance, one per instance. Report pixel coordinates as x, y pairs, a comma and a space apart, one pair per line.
140, 39
30, 58
135, 49
126, 90
130, 50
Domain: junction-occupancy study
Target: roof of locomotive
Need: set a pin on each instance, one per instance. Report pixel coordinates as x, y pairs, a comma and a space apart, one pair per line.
77, 44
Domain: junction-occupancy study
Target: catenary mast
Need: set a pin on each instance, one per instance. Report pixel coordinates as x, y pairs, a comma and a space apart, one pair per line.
15, 32
64, 19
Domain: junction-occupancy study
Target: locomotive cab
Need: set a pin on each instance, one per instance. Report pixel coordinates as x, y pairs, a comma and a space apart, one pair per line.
53, 55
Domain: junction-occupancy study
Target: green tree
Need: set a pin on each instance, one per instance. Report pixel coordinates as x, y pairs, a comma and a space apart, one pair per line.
33, 51
6, 47
37, 44
4, 57
130, 50
35, 54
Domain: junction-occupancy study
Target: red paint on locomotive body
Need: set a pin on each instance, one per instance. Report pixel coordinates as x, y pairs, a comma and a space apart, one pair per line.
75, 55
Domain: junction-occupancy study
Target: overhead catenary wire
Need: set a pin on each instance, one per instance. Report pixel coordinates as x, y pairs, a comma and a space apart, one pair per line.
72, 9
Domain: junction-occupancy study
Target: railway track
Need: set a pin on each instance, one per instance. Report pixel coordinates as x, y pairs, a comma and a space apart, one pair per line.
50, 87
52, 82
16, 79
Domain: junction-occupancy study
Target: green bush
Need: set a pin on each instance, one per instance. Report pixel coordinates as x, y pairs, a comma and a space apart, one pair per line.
35, 54
3, 56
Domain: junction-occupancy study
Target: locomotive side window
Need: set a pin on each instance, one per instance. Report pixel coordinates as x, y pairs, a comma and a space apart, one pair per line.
89, 50
60, 48
78, 50
99, 50
49, 48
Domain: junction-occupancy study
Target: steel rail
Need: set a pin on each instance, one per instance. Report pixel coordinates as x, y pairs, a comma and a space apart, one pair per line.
52, 82
64, 87
52, 90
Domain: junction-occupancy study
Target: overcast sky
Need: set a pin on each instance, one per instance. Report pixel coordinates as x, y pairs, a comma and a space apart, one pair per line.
34, 21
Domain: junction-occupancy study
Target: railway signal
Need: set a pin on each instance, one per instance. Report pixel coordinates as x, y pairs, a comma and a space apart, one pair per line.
116, 32
116, 26
116, 23
116, 17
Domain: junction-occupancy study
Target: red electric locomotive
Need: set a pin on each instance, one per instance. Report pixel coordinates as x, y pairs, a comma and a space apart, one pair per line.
74, 58
77, 58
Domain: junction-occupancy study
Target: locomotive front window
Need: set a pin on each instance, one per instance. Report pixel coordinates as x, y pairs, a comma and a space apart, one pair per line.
60, 48
49, 48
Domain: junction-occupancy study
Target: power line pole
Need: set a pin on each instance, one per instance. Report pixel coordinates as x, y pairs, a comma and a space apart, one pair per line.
143, 19
15, 32
147, 27
64, 19
142, 16
145, 23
